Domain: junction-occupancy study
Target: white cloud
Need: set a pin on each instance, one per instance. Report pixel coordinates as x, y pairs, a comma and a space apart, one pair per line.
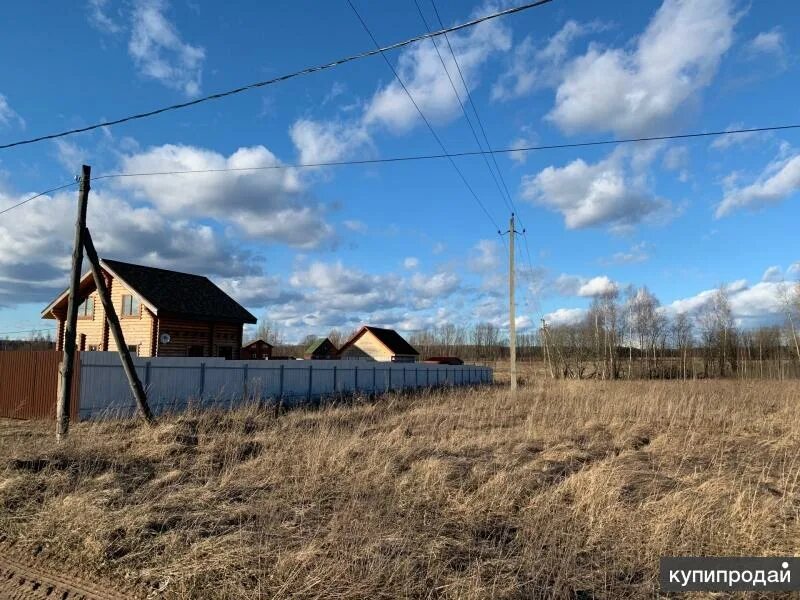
724, 142
592, 195
410, 262
438, 285
533, 67
99, 17
640, 89
8, 115
751, 305
355, 225
159, 52
390, 108
565, 316
779, 180
597, 286
268, 204
772, 274
35, 248
770, 42
421, 71
485, 257
575, 285
638, 253
327, 141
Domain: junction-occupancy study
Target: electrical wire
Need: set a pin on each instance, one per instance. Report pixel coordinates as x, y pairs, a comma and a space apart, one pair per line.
40, 194
421, 114
461, 104
474, 108
398, 159
394, 159
281, 78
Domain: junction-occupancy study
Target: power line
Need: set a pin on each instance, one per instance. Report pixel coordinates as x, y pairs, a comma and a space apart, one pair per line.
419, 110
281, 78
398, 159
461, 104
474, 109
40, 194
466, 153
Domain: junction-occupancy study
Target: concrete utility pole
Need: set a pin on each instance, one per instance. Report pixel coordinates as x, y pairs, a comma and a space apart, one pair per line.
512, 312
67, 362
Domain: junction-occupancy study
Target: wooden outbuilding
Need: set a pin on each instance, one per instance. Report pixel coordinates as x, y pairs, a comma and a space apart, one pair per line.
321, 349
256, 350
376, 343
161, 312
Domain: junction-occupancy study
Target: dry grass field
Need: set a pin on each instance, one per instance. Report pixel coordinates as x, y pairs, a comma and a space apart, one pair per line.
570, 490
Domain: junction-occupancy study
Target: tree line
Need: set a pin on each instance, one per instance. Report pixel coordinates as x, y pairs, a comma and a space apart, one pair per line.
623, 335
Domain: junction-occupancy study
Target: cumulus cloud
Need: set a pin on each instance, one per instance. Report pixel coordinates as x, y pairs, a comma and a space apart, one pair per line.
751, 305
575, 285
770, 42
8, 115
773, 274
565, 316
533, 67
421, 71
485, 257
35, 248
591, 195
779, 180
267, 204
327, 141
410, 262
158, 51
639, 89
638, 253
390, 108
597, 286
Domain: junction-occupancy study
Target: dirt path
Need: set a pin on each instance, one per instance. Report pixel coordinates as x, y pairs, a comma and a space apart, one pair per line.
23, 578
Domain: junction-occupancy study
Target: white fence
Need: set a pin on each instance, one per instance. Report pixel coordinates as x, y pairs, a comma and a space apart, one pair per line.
175, 383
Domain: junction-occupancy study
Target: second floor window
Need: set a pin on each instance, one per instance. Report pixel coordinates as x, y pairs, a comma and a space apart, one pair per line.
130, 306
86, 309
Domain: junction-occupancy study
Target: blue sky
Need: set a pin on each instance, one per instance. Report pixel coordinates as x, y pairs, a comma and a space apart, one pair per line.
405, 245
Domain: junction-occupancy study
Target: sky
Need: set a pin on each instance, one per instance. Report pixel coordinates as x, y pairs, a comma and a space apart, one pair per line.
408, 245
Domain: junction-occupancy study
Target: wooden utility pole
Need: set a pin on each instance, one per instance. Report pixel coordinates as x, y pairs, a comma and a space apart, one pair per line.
512, 312
116, 330
67, 362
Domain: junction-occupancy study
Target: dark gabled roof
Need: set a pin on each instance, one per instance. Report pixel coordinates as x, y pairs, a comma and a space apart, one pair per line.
258, 341
316, 344
179, 293
388, 337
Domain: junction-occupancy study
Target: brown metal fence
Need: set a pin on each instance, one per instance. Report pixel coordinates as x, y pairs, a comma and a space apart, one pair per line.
29, 382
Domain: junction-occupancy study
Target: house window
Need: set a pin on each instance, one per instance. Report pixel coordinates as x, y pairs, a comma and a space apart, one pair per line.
225, 352
130, 306
92, 348
86, 309
133, 349
196, 351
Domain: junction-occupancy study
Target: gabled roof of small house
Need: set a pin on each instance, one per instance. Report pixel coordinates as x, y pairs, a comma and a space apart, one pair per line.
393, 341
258, 341
173, 292
315, 345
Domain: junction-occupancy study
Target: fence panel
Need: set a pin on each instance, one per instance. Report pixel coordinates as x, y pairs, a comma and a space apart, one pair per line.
29, 384
175, 383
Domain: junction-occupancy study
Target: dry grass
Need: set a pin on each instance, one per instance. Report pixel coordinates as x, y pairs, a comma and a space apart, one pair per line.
573, 490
